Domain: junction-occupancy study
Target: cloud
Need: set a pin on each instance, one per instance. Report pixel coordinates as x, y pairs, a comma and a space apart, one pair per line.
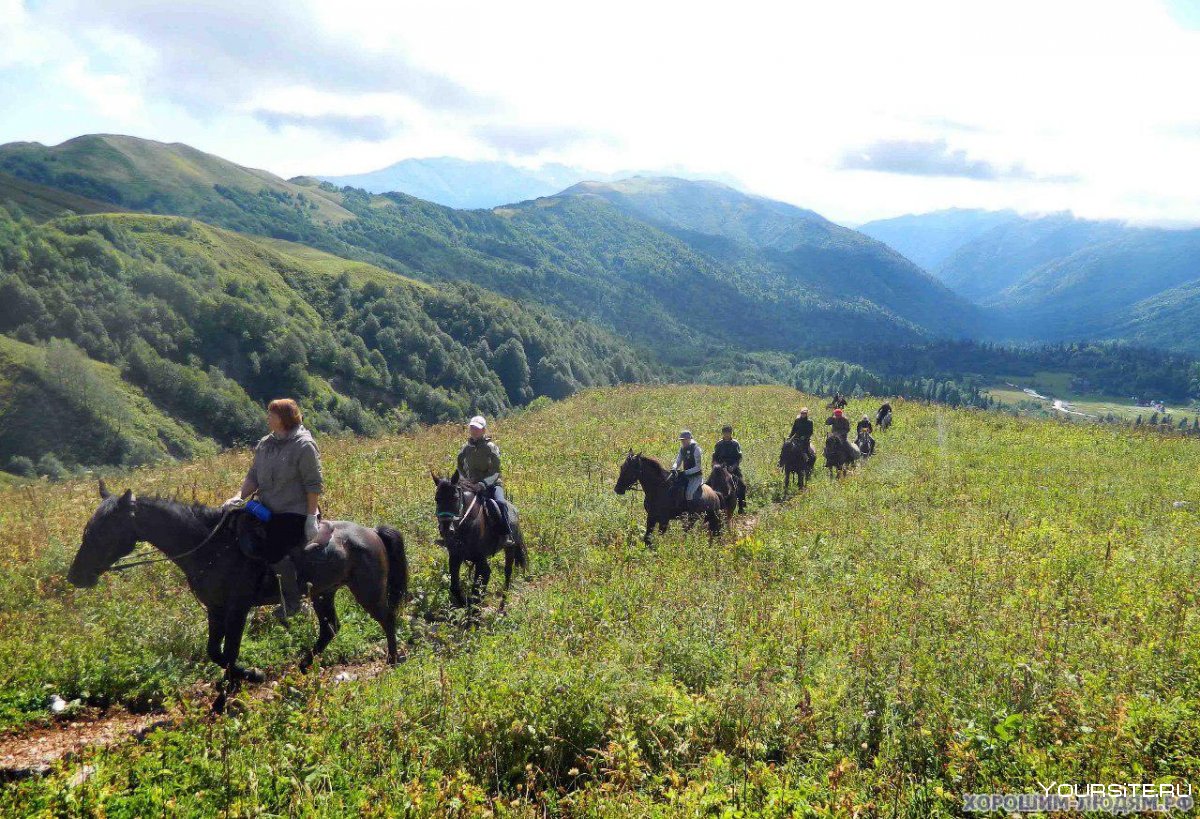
367, 128
211, 56
935, 158
922, 158
527, 140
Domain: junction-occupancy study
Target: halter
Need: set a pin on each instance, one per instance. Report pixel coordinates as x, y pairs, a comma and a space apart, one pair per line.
142, 560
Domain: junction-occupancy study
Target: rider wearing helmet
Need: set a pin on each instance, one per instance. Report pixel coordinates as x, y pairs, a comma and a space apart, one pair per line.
479, 462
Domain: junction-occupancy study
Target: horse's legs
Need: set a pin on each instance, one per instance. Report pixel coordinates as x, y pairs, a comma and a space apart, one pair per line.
327, 620
456, 596
235, 625
216, 634
649, 529
483, 573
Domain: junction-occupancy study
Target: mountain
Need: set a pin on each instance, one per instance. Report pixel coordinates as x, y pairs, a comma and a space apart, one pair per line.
679, 294
461, 183
42, 202
789, 252
929, 239
999, 258
209, 325
1140, 285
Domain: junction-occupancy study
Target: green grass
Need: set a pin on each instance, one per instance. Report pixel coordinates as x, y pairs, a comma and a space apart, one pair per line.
991, 602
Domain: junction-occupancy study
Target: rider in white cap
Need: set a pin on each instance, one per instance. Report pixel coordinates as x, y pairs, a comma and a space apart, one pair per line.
688, 466
479, 462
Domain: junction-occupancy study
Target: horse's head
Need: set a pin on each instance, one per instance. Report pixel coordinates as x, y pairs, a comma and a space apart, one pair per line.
109, 535
720, 479
631, 473
447, 497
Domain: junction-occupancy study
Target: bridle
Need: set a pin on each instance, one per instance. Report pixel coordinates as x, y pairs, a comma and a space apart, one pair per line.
454, 517
144, 559
636, 484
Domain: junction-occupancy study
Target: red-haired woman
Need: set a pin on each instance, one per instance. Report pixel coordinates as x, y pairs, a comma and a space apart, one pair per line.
287, 474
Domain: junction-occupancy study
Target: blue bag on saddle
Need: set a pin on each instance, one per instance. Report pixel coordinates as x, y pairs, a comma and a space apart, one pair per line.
258, 510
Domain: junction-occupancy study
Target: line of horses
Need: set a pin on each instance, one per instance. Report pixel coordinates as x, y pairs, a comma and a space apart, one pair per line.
371, 562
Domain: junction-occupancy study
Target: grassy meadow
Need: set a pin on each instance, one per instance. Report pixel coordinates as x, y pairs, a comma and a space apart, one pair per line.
989, 603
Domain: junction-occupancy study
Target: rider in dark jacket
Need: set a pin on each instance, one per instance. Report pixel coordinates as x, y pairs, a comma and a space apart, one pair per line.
839, 422
865, 423
885, 409
728, 452
802, 427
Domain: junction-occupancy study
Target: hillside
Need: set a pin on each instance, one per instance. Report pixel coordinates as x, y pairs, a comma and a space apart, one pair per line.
210, 324
878, 641
41, 202
789, 250
929, 239
983, 268
589, 261
58, 407
1124, 287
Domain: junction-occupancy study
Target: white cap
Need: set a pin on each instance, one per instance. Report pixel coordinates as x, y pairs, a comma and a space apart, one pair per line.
478, 422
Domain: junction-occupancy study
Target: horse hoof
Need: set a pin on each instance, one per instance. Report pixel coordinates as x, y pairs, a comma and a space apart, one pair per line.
253, 675
218, 706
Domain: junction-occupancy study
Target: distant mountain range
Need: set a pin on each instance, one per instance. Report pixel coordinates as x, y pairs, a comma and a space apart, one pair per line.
462, 183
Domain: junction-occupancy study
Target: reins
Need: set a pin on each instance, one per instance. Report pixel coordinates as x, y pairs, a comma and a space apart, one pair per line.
142, 561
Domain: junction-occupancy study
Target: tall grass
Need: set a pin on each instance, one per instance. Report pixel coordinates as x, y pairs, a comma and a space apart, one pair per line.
989, 603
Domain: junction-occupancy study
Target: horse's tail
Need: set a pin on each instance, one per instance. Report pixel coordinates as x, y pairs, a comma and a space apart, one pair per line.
397, 576
520, 556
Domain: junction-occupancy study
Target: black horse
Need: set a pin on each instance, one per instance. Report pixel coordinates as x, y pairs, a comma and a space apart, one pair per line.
661, 503
201, 541
866, 443
726, 483
797, 457
840, 455
469, 533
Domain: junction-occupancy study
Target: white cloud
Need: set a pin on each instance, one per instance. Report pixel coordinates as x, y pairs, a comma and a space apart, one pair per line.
774, 94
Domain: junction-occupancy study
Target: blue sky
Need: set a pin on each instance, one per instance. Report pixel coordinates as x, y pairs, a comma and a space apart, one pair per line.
856, 110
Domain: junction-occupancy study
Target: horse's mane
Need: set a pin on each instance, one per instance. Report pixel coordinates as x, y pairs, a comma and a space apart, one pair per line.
653, 461
188, 514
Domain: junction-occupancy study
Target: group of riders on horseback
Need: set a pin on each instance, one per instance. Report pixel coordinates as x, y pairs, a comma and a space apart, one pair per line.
276, 540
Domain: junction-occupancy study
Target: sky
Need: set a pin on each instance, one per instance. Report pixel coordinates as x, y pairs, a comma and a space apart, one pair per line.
857, 110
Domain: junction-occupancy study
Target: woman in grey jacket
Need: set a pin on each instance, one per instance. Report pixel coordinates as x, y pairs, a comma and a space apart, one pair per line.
287, 474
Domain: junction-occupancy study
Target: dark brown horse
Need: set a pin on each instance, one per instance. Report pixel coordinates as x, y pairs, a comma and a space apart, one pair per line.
797, 457
469, 533
661, 504
840, 455
201, 541
725, 484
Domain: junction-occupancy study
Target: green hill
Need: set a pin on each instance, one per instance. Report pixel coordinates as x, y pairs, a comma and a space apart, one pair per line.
210, 324
929, 239
41, 202
791, 253
59, 408
684, 295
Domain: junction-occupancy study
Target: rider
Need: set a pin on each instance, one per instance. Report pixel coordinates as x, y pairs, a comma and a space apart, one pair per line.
728, 452
286, 472
802, 427
840, 425
479, 462
865, 423
688, 468
885, 409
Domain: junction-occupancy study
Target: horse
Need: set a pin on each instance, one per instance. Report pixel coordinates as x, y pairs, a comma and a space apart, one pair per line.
884, 421
370, 562
661, 504
840, 455
468, 533
865, 443
796, 458
725, 483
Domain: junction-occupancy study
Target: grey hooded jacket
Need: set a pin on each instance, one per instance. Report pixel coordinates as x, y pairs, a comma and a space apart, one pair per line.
285, 470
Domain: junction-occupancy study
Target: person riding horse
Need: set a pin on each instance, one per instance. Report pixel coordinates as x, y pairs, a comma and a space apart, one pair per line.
840, 424
885, 412
862, 435
479, 462
286, 473
728, 453
688, 470
839, 401
802, 427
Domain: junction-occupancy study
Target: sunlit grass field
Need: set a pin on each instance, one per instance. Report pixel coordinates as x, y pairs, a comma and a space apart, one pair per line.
989, 603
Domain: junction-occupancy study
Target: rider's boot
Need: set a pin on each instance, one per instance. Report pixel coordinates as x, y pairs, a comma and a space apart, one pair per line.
289, 588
